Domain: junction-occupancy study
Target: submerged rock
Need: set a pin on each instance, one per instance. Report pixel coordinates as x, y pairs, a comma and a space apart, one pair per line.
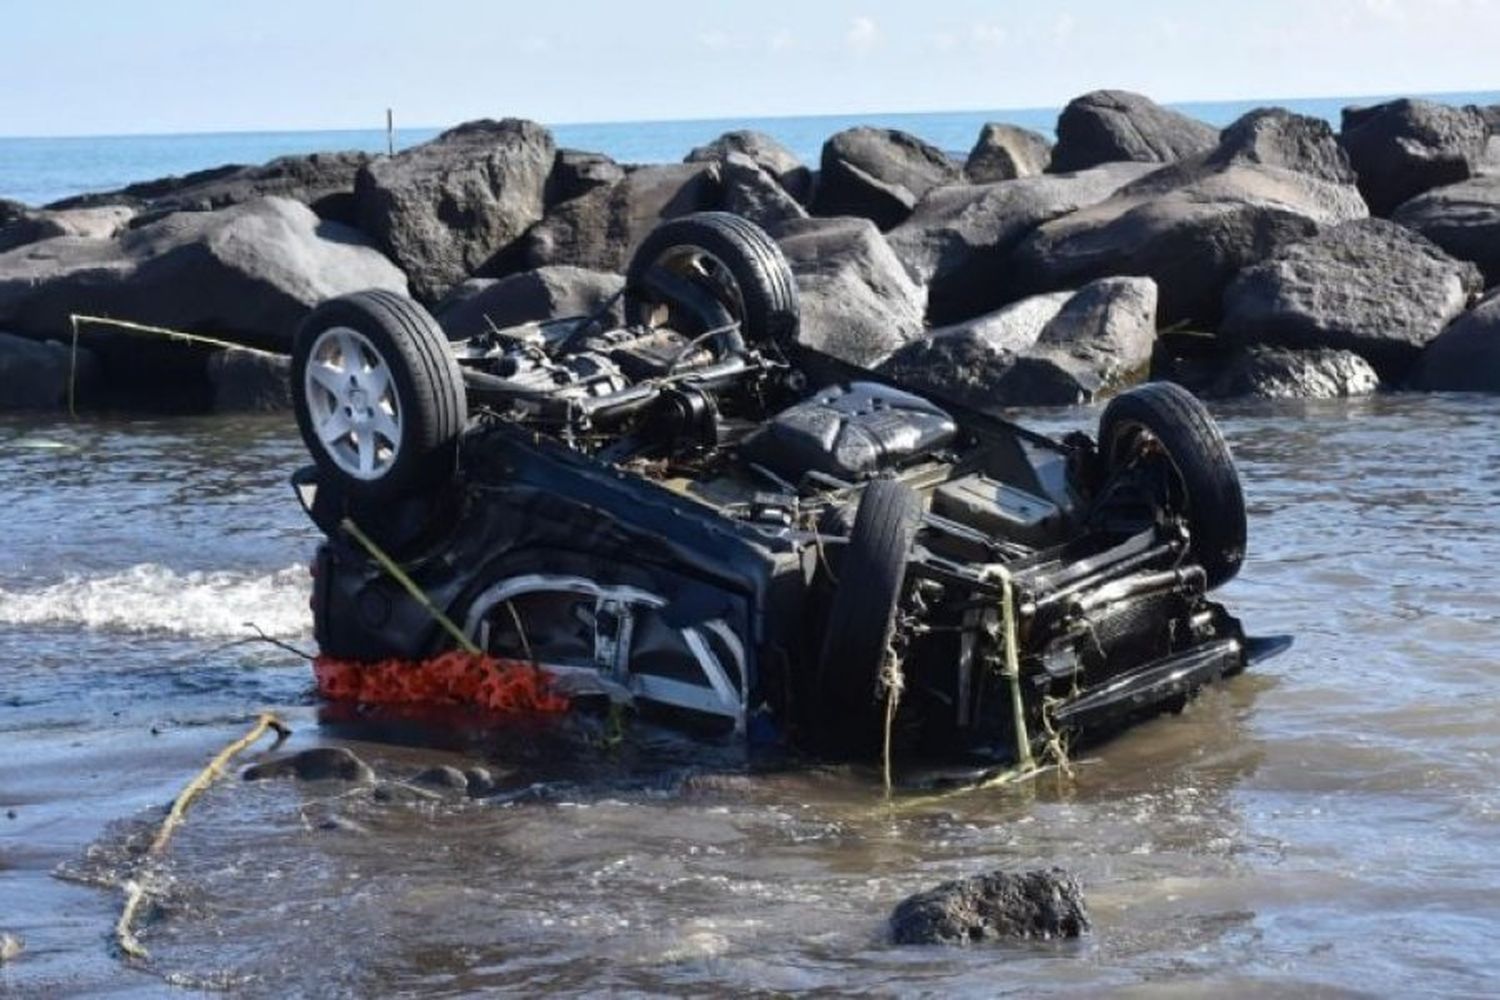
34, 374
1106, 126
249, 382
315, 764
879, 174
1466, 356
448, 208
442, 776
1370, 286
1402, 148
1041, 904
401, 793
1277, 373
1005, 152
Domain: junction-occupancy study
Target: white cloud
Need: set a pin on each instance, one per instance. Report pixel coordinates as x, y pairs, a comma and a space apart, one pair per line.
782, 41
987, 36
536, 43
863, 34
943, 41
714, 40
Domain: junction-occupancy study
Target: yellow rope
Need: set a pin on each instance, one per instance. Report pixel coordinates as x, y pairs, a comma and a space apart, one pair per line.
136, 890
389, 565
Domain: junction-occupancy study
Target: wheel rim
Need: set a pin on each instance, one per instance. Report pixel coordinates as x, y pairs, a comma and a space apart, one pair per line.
352, 403
698, 264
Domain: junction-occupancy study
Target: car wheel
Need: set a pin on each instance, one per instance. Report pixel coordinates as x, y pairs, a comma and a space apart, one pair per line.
862, 618
1167, 419
378, 395
729, 256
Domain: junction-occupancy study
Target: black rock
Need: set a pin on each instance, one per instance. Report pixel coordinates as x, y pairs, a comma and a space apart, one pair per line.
1049, 350
1193, 225
751, 191
766, 153
1106, 126
250, 382
34, 375
957, 240
443, 777
858, 303
1402, 148
1043, 904
879, 174
1463, 219
315, 764
599, 229
1466, 356
575, 173
1005, 152
322, 181
453, 207
1369, 286
1278, 373
247, 273
550, 292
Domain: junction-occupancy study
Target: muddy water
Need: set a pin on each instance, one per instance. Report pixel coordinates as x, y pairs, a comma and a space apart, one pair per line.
1330, 821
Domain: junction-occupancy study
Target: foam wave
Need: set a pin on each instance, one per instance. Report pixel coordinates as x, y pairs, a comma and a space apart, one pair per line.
152, 598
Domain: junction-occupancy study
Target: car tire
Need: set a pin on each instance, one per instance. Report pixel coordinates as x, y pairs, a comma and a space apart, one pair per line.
733, 258
1209, 483
862, 617
378, 395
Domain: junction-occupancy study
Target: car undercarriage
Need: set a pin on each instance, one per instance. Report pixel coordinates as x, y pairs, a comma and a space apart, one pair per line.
673, 505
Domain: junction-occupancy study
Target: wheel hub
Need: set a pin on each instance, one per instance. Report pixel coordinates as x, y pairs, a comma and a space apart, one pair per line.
352, 403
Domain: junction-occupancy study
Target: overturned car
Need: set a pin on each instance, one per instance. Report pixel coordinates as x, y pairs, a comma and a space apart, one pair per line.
674, 504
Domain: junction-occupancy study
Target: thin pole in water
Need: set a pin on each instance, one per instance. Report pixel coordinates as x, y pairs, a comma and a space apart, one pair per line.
390, 133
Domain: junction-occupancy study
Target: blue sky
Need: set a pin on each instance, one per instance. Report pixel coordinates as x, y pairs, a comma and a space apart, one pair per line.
90, 66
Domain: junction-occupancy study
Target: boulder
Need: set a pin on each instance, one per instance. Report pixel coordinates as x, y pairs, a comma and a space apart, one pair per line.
34, 375
879, 174
250, 381
1045, 904
601, 228
550, 292
323, 181
1005, 152
1275, 137
1466, 356
1368, 286
770, 155
1105, 126
248, 273
1402, 148
1278, 373
315, 764
957, 240
858, 304
1049, 350
452, 207
751, 191
29, 226
576, 173
1463, 219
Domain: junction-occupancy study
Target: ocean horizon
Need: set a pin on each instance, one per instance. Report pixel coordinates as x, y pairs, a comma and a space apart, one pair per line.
39, 170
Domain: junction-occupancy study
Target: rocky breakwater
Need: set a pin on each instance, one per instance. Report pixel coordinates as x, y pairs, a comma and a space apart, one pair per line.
1276, 256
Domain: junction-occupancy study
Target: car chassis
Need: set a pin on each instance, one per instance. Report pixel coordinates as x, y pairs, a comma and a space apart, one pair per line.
691, 513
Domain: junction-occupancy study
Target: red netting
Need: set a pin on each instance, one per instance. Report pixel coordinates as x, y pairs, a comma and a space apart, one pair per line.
454, 678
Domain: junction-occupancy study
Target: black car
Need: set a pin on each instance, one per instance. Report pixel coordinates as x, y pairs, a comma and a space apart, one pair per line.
672, 503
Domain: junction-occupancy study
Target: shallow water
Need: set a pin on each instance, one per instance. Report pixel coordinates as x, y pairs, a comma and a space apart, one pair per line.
1328, 821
